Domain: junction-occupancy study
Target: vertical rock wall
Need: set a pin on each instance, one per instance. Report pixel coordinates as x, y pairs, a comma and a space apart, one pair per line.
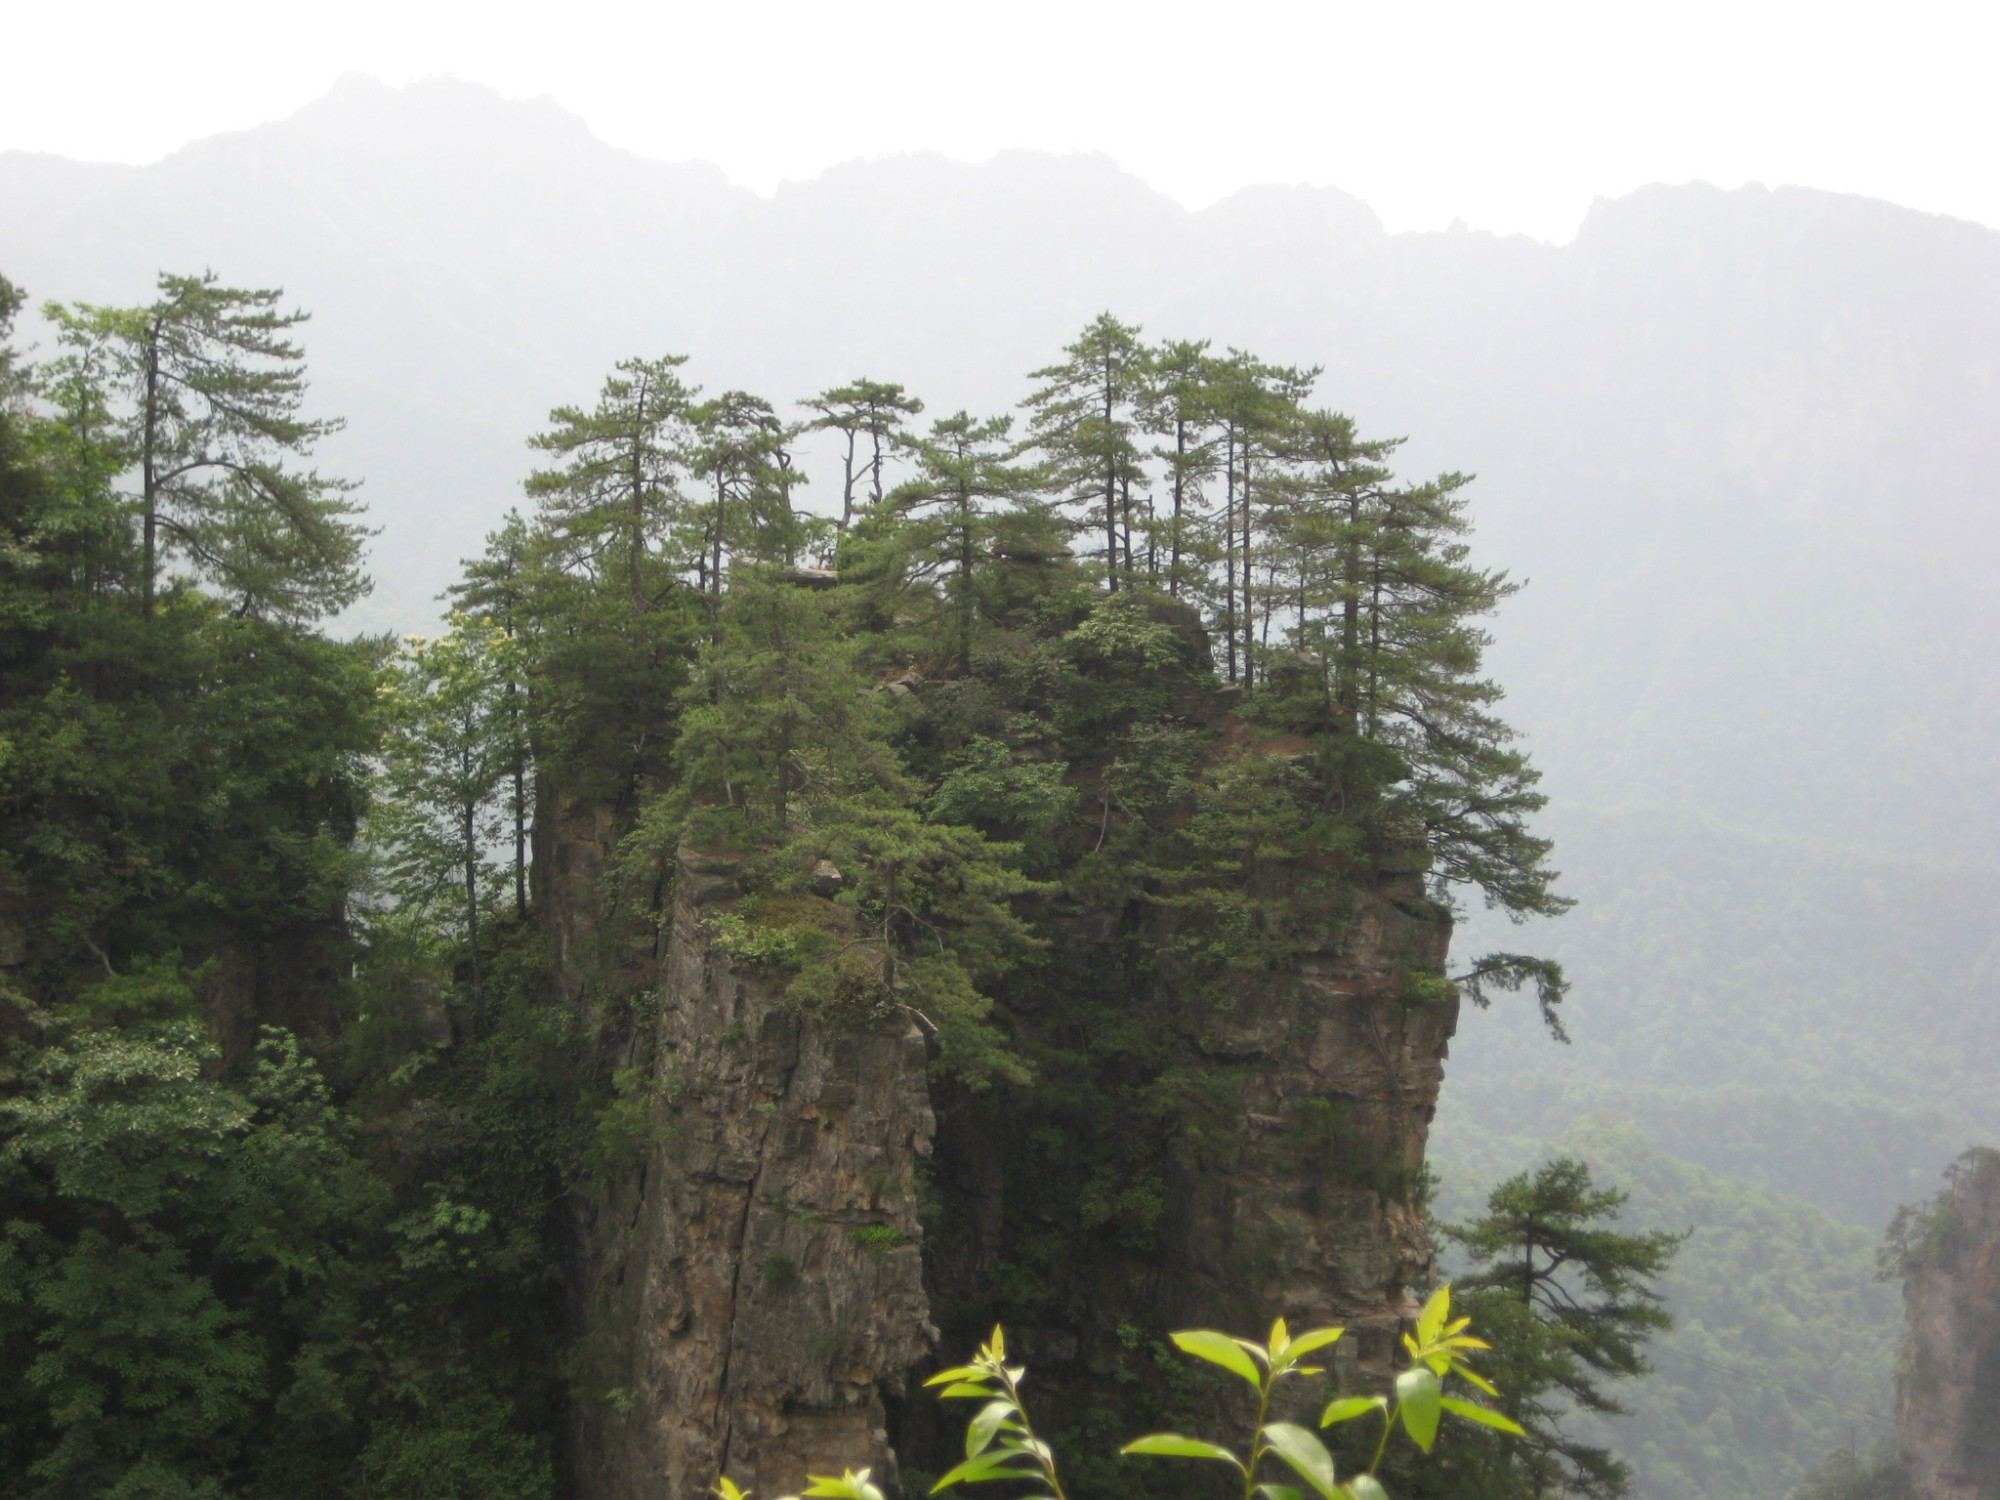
1948, 1399
751, 1287
1305, 1209
1311, 1215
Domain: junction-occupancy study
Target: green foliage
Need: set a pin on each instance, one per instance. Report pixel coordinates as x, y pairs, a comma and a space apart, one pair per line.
877, 1237
1569, 1303
191, 781
775, 722
212, 1279
932, 906
1084, 417
1001, 1444
965, 782
1437, 1347
467, 1449
453, 736
1926, 1234
1019, 802
167, 1226
201, 391
945, 522
1783, 1343
864, 409
615, 502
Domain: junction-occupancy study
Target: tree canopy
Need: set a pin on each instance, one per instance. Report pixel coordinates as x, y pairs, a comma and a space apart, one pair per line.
297, 1096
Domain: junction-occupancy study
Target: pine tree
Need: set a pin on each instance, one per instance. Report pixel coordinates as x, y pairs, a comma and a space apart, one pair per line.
1256, 405
1084, 416
1568, 1304
870, 409
1387, 609
934, 921
1389, 605
964, 474
614, 499
747, 476
205, 386
1179, 406
776, 716
499, 587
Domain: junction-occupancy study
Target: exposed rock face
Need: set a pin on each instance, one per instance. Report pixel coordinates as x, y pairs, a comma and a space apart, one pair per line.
751, 1289
1305, 1210
1948, 1400
1340, 1080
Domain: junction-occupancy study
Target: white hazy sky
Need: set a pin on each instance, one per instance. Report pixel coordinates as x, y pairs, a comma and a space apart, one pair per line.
1509, 114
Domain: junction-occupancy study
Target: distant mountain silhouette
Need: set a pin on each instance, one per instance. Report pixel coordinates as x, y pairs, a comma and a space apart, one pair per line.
1743, 443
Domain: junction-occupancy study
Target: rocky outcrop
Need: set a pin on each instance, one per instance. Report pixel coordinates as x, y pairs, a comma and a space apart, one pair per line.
754, 1281
1948, 1399
1302, 1203
1311, 1213
753, 1287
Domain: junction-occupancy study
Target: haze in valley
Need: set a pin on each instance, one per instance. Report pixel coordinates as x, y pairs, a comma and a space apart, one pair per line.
1739, 438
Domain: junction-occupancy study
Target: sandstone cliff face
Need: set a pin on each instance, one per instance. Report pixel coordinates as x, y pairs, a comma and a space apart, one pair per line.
1340, 1077
749, 1291
1303, 1210
1948, 1400
752, 1294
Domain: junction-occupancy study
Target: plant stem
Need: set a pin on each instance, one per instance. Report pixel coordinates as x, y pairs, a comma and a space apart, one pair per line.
1258, 1448
1043, 1455
1388, 1426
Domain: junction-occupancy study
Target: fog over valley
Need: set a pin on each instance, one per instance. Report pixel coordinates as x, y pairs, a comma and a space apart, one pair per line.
1740, 445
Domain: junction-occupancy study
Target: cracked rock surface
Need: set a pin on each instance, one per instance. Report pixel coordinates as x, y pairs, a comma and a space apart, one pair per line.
758, 1283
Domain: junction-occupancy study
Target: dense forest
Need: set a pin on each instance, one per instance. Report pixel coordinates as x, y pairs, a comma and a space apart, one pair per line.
292, 1103
1734, 437
1054, 733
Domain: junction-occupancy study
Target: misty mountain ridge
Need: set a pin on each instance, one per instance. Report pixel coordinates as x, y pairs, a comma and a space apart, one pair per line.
1741, 442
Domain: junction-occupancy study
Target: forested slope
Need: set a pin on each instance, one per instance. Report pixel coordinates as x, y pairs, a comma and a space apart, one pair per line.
500, 1062
1741, 444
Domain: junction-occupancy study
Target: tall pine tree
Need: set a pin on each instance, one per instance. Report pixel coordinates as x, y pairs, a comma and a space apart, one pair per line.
1084, 415
204, 388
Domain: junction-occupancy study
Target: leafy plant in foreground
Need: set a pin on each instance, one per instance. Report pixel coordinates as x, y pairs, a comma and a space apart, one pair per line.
1437, 1350
1000, 1442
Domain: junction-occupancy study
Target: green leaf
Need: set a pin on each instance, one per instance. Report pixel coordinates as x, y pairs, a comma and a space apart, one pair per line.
1485, 1416
1173, 1445
727, 1489
1280, 1492
1347, 1408
1419, 1394
963, 1389
1305, 1453
1220, 1349
1431, 1320
1365, 1487
956, 1373
1315, 1338
983, 1428
849, 1486
1473, 1378
991, 1464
